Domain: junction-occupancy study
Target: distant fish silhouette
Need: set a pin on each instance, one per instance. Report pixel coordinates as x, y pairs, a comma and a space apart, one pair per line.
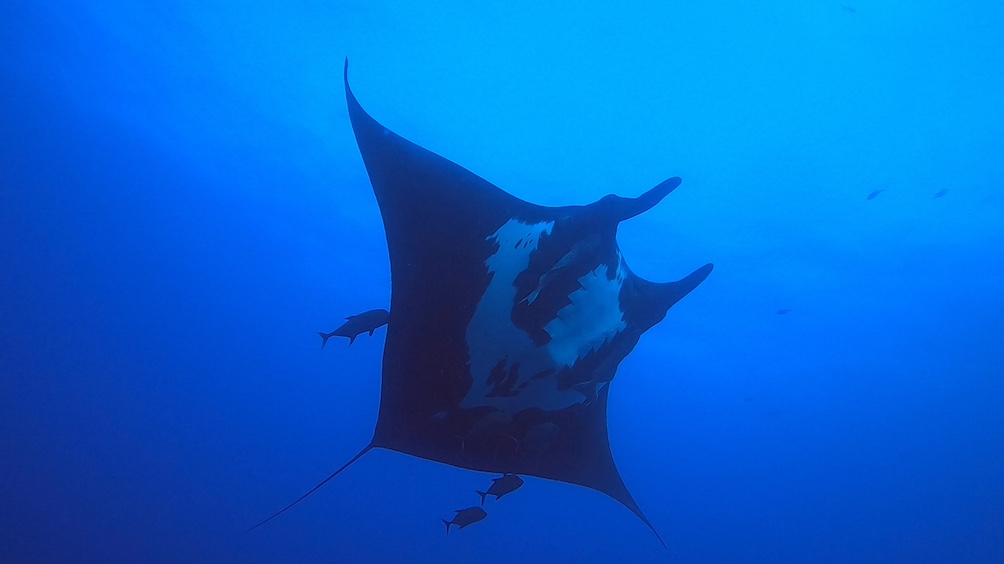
539, 437
465, 517
583, 250
486, 426
508, 483
875, 193
783, 311
941, 193
848, 8
368, 321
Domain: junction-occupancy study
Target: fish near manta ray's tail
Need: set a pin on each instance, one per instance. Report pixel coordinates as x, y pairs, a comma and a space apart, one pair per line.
366, 449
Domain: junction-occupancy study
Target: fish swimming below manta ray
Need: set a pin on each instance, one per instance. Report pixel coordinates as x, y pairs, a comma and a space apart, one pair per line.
465, 517
508, 483
503, 312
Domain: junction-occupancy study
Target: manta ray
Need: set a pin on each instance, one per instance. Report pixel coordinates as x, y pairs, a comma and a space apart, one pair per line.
507, 320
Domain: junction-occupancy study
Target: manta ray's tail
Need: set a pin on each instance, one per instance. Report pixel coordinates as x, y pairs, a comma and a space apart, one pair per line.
315, 488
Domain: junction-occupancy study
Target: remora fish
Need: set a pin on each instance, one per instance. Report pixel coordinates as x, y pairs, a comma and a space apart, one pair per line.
582, 250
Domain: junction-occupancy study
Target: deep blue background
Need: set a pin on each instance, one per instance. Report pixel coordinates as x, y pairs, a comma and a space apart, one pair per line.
182, 207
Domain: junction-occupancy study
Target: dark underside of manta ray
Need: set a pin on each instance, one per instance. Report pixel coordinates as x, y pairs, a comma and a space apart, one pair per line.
507, 320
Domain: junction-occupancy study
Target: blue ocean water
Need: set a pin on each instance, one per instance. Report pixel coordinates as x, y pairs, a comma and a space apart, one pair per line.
183, 207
